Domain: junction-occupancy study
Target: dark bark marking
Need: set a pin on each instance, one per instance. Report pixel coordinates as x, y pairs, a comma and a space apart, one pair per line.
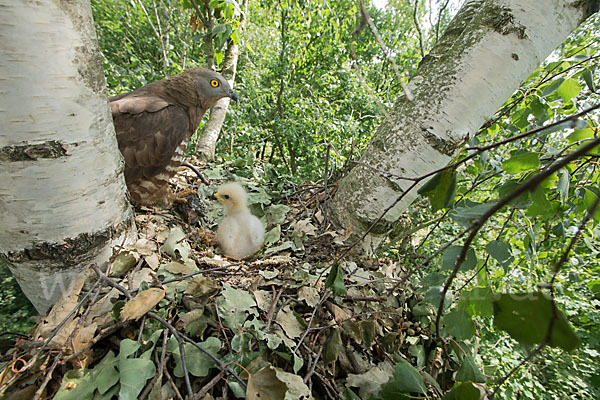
31, 152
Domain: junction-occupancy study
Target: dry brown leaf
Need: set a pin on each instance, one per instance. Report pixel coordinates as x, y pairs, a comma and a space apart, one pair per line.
338, 313
263, 299
152, 261
175, 267
100, 310
202, 286
141, 304
61, 309
306, 227
288, 321
310, 295
145, 247
124, 262
143, 275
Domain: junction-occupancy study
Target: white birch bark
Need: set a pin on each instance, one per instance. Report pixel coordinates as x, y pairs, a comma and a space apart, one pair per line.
489, 48
62, 191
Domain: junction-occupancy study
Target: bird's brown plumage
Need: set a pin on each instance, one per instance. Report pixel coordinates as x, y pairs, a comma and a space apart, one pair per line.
155, 122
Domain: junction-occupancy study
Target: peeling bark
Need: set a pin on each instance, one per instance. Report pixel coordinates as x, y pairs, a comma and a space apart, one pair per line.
62, 191
485, 53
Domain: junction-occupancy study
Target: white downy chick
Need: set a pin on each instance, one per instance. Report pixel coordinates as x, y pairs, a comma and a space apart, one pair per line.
240, 234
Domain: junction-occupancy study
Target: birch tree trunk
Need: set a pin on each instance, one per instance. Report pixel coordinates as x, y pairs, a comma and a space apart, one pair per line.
62, 191
489, 48
205, 148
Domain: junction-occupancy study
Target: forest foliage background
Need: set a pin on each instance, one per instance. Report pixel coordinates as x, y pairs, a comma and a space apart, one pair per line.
309, 81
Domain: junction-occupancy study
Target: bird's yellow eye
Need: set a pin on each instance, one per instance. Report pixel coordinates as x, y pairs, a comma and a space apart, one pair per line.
214, 83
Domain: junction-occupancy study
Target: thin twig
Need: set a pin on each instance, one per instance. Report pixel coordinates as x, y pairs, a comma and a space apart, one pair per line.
210, 385
159, 370
197, 172
172, 382
49, 339
324, 297
416, 21
221, 327
386, 51
272, 309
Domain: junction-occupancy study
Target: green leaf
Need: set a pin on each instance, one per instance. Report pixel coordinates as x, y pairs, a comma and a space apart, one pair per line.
464, 391
459, 324
332, 348
235, 306
406, 379
175, 245
276, 214
477, 301
434, 296
540, 207
450, 255
589, 199
418, 351
76, 385
580, 134
589, 79
335, 280
107, 374
465, 215
196, 361
469, 372
563, 185
348, 394
501, 252
273, 236
521, 162
218, 57
594, 287
82, 383
568, 89
133, 372
441, 189
551, 87
527, 316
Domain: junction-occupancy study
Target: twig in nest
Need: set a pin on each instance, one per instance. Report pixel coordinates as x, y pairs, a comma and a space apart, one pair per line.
172, 382
170, 327
49, 339
221, 328
193, 168
272, 309
209, 385
311, 368
101, 335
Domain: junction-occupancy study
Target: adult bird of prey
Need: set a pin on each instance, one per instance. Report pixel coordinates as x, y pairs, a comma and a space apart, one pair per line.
154, 124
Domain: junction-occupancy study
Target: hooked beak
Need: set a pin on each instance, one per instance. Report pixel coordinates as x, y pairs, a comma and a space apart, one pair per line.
233, 95
216, 196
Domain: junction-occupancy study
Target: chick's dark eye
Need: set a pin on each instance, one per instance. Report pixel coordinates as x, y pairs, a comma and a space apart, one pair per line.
226, 197
214, 83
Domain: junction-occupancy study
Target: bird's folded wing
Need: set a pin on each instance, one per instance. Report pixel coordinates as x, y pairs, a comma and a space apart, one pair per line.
148, 138
133, 103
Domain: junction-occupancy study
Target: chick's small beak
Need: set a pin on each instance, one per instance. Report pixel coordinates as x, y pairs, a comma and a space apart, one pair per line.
233, 95
216, 196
